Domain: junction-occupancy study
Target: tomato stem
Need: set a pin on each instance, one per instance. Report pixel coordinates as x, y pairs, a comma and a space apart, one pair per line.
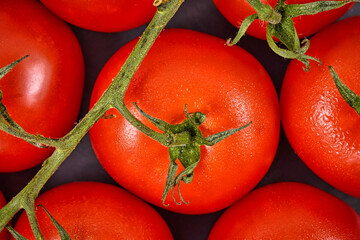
15, 234
184, 144
8, 125
63, 234
296, 10
265, 12
30, 211
281, 26
111, 98
351, 98
5, 70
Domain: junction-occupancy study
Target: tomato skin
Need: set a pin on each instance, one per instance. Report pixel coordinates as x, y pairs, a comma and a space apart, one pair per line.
322, 129
90, 210
4, 234
225, 83
43, 93
103, 15
288, 211
235, 11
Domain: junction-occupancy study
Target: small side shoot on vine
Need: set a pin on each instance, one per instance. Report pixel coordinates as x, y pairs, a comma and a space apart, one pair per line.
15, 234
280, 25
186, 149
8, 125
63, 234
349, 96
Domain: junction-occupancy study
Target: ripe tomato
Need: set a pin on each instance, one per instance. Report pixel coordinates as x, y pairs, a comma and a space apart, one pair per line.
288, 211
43, 92
321, 127
103, 15
236, 11
4, 234
227, 84
90, 210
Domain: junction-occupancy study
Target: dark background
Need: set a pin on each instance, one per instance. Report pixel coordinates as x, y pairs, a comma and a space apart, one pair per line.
82, 165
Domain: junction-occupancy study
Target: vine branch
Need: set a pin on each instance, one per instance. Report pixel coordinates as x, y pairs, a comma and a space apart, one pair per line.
111, 98
281, 26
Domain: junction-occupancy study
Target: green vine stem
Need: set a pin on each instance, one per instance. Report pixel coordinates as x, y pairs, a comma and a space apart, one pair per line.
281, 26
112, 97
351, 98
7, 124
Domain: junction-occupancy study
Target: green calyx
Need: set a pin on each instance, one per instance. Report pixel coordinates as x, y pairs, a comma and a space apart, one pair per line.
186, 139
7, 124
352, 99
281, 26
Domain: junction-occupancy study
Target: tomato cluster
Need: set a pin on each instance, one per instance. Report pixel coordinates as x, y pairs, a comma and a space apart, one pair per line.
186, 72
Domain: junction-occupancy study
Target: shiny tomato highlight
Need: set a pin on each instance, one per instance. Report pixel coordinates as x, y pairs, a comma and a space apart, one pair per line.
90, 210
321, 127
42, 93
227, 84
285, 211
103, 15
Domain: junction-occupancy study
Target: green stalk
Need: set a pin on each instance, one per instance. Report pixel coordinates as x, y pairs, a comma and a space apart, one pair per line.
143, 46
350, 97
111, 97
281, 26
265, 12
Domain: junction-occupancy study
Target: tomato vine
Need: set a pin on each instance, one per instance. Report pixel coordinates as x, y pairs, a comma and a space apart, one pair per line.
281, 26
112, 97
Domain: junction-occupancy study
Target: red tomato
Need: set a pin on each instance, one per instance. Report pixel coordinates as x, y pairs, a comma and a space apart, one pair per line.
321, 127
4, 234
89, 210
103, 15
225, 83
43, 92
235, 11
288, 211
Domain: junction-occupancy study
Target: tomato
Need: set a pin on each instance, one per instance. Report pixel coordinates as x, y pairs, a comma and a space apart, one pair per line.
225, 83
103, 15
235, 11
100, 211
4, 234
44, 91
321, 127
288, 211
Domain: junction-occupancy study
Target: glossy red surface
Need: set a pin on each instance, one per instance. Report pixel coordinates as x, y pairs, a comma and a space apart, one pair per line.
322, 128
82, 165
288, 211
43, 93
225, 83
103, 15
89, 210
